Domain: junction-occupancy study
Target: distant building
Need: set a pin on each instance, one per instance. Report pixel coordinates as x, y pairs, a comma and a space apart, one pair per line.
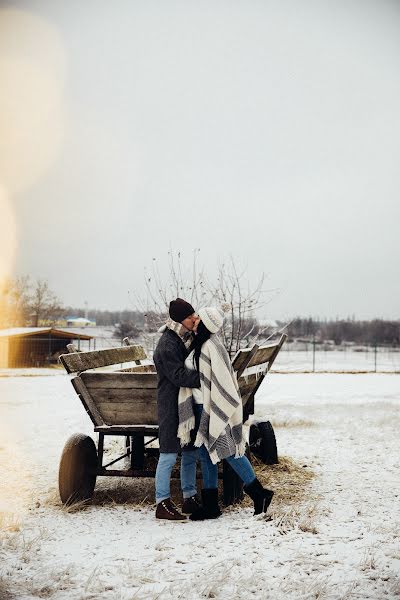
79, 322
34, 346
267, 323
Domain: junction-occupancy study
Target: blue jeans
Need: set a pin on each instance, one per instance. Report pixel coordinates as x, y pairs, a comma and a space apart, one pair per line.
241, 466
165, 465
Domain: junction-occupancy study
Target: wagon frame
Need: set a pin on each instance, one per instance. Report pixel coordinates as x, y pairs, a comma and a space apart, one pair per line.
122, 402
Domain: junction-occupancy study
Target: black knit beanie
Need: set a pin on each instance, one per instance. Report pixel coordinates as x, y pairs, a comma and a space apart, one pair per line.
180, 309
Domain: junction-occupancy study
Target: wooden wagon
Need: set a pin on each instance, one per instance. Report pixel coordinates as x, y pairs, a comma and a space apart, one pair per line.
122, 402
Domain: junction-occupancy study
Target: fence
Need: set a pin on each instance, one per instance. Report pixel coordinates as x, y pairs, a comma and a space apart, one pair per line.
317, 357
311, 356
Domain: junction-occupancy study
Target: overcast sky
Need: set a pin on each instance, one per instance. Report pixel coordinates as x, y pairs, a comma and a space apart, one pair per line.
266, 130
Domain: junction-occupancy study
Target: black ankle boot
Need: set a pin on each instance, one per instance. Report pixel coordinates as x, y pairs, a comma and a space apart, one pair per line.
210, 508
260, 496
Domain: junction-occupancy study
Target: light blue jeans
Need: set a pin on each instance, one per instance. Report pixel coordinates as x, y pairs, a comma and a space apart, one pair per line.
167, 460
166, 463
241, 466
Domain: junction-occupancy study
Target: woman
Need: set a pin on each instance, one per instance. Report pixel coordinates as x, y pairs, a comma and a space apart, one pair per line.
216, 411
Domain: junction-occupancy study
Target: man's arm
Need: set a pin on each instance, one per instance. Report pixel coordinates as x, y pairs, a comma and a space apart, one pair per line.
176, 371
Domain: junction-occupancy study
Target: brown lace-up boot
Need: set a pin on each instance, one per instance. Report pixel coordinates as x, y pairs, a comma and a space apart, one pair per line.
166, 510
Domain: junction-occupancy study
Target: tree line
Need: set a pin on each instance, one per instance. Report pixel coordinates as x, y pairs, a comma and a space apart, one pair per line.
26, 302
373, 332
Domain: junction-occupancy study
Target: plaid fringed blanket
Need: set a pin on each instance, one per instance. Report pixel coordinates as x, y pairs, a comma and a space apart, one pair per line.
221, 425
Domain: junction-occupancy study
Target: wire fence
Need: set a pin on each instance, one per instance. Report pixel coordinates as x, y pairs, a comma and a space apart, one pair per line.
318, 357
43, 351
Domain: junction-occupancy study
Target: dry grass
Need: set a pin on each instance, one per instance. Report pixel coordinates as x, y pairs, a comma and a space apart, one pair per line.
289, 479
293, 505
9, 523
5, 593
292, 423
45, 584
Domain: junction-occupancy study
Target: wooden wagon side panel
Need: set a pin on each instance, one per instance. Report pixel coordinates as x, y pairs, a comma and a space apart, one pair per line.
251, 357
124, 398
247, 385
258, 355
262, 356
78, 362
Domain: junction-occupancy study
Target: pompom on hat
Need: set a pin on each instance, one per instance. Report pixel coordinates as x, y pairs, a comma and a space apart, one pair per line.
212, 317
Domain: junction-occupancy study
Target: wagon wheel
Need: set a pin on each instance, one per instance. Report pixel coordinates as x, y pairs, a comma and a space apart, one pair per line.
77, 472
263, 442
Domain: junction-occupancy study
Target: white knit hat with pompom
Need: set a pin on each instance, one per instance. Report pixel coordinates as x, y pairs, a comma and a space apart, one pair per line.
212, 317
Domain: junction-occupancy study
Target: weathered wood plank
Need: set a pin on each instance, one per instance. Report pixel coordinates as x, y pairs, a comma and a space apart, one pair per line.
126, 407
87, 401
82, 361
139, 369
247, 358
123, 395
240, 362
120, 380
241, 358
282, 340
262, 355
148, 430
245, 400
247, 384
72, 348
121, 414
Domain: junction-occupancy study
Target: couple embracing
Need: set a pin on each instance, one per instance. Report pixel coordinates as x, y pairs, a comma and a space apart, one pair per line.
200, 414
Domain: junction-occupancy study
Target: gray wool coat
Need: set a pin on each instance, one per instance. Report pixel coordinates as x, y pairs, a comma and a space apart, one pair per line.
169, 358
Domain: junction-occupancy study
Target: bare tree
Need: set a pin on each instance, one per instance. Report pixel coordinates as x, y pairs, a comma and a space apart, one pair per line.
178, 280
14, 301
230, 288
44, 305
244, 299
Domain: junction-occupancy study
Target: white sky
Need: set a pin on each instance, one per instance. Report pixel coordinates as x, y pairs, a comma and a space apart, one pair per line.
266, 130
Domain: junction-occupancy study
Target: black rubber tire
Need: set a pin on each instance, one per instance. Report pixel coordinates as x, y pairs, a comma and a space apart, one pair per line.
263, 442
77, 472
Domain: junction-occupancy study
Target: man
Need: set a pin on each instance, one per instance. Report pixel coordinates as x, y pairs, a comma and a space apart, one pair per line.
169, 358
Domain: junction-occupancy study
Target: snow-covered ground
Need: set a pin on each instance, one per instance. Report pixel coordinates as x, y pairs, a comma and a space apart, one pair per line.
344, 427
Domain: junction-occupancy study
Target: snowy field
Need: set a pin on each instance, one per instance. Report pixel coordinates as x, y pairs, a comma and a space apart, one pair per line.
342, 542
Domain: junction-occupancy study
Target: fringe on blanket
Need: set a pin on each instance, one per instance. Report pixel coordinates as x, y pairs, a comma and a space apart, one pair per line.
200, 440
184, 430
240, 449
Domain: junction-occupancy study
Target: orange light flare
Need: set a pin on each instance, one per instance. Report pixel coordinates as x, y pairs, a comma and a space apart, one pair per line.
32, 114
8, 237
32, 125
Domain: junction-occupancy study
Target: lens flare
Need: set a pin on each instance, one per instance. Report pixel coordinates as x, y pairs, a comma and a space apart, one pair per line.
8, 237
32, 75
